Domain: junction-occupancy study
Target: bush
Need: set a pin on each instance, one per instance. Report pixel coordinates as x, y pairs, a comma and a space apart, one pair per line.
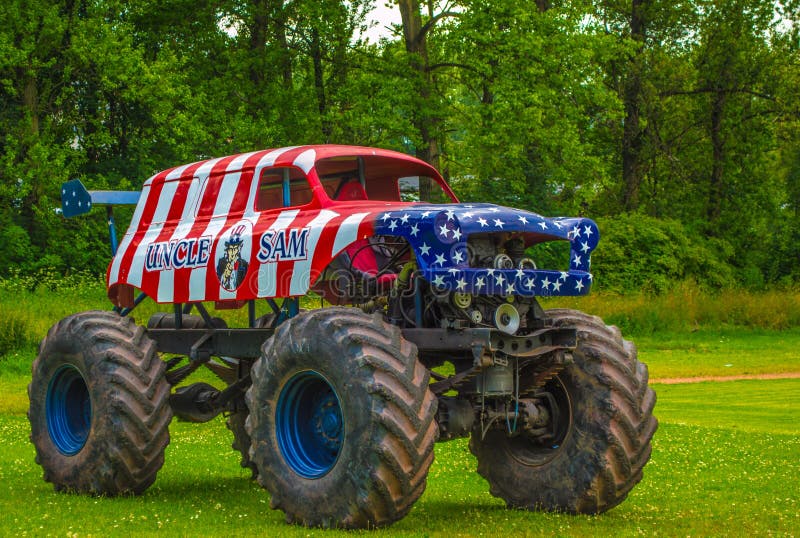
641, 253
15, 247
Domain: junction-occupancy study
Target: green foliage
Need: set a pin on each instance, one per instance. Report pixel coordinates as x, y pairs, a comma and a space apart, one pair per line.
686, 307
15, 332
530, 104
638, 252
15, 247
30, 302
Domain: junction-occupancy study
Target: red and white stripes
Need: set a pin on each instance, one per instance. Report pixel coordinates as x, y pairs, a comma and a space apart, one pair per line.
186, 216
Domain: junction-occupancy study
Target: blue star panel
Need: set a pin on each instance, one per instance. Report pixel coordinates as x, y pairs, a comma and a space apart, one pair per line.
439, 234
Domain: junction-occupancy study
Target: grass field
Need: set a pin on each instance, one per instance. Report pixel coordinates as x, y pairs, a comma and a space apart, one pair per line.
727, 468
725, 461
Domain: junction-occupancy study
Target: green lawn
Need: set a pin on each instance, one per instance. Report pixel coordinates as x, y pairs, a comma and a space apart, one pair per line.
725, 459
720, 352
725, 462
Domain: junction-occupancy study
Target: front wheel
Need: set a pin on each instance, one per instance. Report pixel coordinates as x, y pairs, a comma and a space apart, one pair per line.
341, 420
602, 412
99, 406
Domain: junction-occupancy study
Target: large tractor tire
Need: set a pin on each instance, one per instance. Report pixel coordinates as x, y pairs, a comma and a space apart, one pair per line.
99, 406
342, 420
236, 421
241, 439
603, 413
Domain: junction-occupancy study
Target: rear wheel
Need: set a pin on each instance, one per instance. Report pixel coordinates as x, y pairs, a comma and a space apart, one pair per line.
99, 406
602, 412
342, 420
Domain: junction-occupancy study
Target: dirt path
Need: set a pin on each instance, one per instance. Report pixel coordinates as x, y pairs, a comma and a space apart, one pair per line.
676, 380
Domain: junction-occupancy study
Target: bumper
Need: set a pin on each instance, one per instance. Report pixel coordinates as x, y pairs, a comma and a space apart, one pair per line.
505, 282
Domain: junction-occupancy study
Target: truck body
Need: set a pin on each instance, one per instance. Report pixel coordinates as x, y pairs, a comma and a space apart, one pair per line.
429, 329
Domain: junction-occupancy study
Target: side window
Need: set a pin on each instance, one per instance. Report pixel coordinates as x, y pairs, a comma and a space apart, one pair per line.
282, 187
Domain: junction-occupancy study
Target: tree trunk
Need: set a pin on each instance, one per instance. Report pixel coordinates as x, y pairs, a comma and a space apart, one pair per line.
632, 133
319, 84
716, 187
268, 27
426, 123
258, 41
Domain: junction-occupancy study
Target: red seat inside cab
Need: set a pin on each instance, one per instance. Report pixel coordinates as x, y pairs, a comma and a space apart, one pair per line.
361, 253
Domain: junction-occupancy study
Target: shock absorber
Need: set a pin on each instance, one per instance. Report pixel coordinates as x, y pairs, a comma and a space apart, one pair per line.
401, 284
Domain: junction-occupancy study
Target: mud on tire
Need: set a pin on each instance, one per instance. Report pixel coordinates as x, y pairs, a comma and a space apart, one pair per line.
603, 435
99, 408
341, 419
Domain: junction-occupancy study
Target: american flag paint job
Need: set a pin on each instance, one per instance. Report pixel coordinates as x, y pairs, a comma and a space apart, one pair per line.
439, 236
197, 222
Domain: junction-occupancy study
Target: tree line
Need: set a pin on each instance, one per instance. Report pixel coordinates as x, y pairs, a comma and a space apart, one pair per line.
673, 123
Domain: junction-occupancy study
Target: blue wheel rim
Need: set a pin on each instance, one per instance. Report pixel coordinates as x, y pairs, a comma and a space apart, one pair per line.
68, 410
309, 425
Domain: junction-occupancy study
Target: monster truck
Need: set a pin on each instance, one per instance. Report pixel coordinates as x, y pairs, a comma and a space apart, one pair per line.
429, 330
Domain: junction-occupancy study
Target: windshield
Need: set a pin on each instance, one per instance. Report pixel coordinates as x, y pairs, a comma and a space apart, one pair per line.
381, 178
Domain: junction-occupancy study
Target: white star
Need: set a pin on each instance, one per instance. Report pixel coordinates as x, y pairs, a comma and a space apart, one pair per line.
576, 231
499, 279
392, 225
80, 203
558, 225
584, 246
591, 277
458, 257
424, 249
450, 213
425, 214
386, 216
546, 283
529, 283
482, 222
564, 275
490, 272
404, 218
494, 210
577, 260
461, 284
522, 219
556, 286
440, 259
467, 215
456, 234
438, 281
414, 229
587, 230
470, 206
443, 231
499, 223
510, 289
520, 273
479, 283
543, 225
579, 285
453, 271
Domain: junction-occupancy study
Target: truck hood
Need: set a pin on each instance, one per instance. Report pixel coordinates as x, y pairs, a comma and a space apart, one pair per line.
439, 233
